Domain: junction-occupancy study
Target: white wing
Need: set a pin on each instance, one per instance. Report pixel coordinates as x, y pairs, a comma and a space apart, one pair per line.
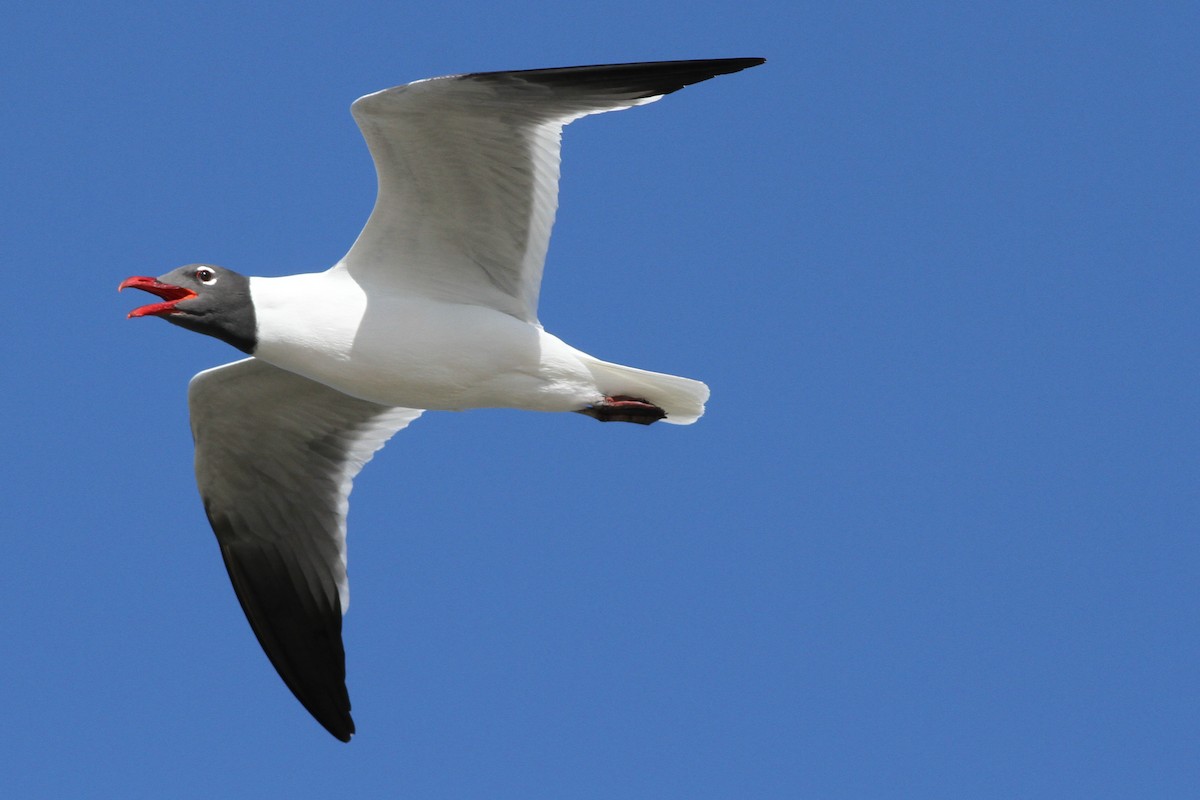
468, 173
276, 455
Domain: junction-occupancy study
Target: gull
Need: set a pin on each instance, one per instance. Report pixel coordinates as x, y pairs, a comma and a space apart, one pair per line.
434, 307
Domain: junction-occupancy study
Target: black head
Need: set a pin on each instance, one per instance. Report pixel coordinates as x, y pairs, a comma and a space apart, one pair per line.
202, 298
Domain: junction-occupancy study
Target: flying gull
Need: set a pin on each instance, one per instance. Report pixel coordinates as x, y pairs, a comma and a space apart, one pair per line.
434, 307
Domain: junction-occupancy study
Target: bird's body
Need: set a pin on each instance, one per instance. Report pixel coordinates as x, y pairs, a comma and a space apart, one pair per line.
434, 307
399, 350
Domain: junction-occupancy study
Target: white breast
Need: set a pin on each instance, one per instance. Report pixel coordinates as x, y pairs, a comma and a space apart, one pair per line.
402, 350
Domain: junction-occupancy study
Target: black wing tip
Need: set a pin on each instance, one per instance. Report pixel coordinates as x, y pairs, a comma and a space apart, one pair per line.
717, 66
341, 732
647, 78
304, 647
334, 718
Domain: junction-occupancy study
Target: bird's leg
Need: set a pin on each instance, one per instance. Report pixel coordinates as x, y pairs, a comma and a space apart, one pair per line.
622, 408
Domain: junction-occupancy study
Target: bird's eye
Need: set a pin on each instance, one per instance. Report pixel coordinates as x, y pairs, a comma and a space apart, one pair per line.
205, 275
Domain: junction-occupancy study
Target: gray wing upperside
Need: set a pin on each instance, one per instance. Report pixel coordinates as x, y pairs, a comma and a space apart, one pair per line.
468, 169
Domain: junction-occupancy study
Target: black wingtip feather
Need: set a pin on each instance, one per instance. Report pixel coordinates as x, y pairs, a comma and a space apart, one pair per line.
640, 79
301, 636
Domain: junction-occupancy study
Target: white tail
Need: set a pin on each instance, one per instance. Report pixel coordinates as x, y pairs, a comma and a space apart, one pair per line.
682, 398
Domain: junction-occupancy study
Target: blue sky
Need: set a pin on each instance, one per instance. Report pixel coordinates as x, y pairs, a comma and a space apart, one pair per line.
935, 537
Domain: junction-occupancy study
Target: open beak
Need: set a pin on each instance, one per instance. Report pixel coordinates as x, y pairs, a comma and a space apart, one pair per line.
170, 295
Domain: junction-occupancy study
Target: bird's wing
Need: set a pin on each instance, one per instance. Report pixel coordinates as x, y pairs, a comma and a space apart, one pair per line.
468, 173
276, 455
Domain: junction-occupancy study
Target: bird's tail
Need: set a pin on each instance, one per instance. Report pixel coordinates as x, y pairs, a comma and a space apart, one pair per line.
681, 398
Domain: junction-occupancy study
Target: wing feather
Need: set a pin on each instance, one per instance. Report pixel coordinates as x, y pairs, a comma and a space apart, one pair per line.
468, 169
276, 456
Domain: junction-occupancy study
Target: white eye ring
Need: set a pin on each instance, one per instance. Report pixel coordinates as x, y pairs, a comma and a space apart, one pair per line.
205, 275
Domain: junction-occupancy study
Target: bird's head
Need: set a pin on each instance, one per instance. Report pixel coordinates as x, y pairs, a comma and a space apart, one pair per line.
204, 298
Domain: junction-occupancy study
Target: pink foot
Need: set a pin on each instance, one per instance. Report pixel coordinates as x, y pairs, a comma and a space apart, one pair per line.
622, 408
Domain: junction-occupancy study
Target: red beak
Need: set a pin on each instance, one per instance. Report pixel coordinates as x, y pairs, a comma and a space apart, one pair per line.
170, 294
